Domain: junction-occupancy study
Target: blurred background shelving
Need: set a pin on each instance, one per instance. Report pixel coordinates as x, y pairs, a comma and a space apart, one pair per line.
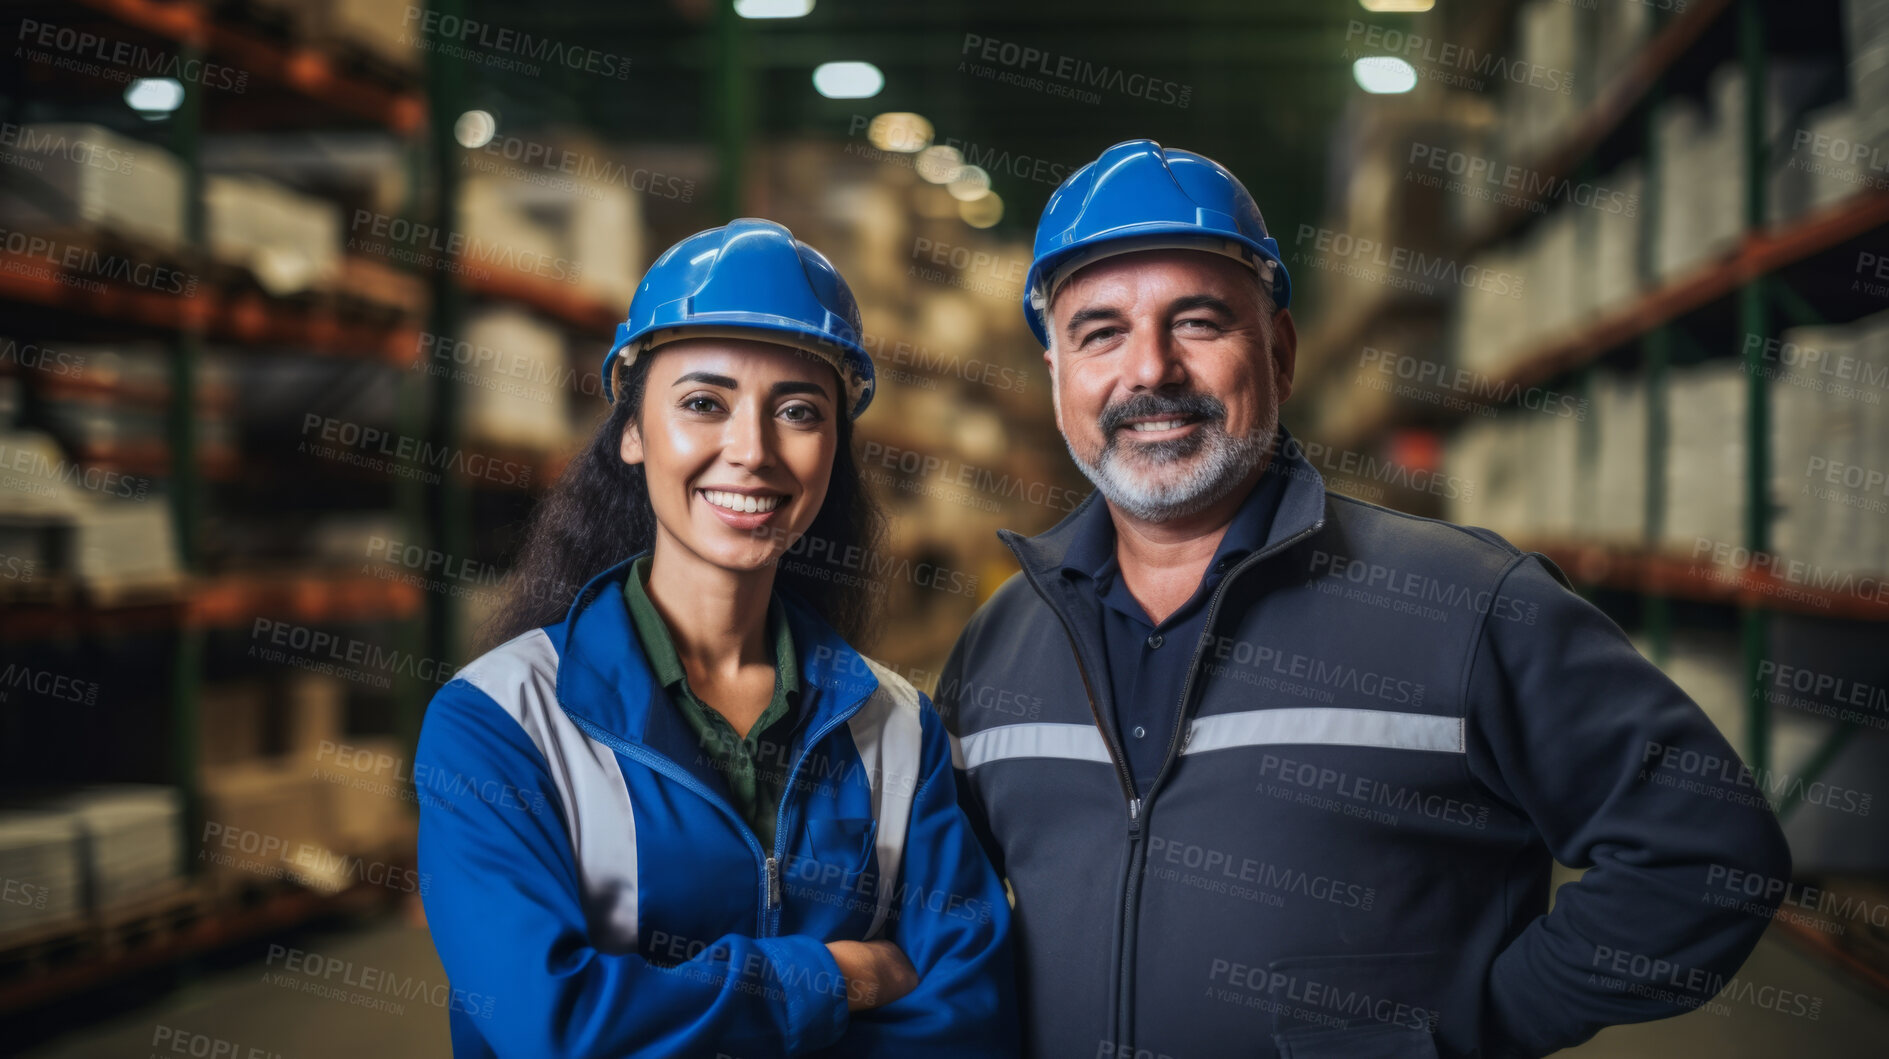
1654, 349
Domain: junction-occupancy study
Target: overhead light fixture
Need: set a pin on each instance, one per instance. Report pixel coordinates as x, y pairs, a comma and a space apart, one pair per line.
970, 184
155, 95
772, 8
983, 212
939, 163
1384, 75
475, 129
1399, 7
901, 131
848, 80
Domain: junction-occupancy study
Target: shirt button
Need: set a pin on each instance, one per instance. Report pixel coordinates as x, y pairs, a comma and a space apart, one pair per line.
1156, 640
1140, 732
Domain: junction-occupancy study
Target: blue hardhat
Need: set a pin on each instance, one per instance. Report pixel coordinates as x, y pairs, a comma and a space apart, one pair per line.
1137, 196
751, 279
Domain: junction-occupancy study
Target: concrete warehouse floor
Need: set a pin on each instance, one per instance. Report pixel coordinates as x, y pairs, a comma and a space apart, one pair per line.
263, 1006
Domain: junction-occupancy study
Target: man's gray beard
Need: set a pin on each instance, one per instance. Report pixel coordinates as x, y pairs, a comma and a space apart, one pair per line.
1222, 463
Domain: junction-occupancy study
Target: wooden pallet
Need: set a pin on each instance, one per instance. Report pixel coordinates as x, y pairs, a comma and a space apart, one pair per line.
40, 948
150, 920
46, 588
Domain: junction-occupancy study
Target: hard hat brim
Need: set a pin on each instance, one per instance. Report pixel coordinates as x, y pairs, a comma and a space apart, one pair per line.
847, 359
1137, 238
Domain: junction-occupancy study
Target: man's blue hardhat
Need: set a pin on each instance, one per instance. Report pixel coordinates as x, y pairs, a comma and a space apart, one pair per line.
749, 275
1143, 197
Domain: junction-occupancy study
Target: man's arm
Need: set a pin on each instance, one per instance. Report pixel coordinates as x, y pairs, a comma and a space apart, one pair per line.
951, 919
1567, 721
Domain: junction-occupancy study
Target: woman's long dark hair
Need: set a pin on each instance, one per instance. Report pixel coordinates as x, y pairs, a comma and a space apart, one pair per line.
598, 514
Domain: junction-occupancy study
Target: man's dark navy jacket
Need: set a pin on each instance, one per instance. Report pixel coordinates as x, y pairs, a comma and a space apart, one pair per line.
1392, 725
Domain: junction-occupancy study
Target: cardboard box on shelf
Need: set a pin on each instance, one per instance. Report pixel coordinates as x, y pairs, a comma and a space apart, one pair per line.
520, 385
288, 241
1617, 230
131, 839
378, 28
41, 873
503, 237
579, 209
90, 178
1620, 461
1705, 455
264, 821
368, 784
317, 711
232, 722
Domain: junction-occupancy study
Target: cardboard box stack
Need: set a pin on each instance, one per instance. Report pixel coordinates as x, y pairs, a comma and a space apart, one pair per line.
520, 385
1866, 25
583, 229
89, 178
289, 241
113, 538
42, 874
1619, 474
1705, 455
1829, 440
130, 837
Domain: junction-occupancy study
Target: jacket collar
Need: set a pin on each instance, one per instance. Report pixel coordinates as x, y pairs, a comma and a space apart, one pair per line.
1301, 510
604, 677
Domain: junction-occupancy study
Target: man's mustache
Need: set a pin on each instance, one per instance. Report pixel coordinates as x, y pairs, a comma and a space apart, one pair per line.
1154, 403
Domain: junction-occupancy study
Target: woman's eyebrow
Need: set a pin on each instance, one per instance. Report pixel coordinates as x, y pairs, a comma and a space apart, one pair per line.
710, 378
798, 386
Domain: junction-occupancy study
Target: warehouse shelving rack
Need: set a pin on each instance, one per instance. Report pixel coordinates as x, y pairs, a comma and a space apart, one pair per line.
307, 86
311, 86
1754, 285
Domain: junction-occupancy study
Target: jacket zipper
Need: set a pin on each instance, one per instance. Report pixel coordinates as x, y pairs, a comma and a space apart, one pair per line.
769, 914
772, 904
1177, 740
1131, 889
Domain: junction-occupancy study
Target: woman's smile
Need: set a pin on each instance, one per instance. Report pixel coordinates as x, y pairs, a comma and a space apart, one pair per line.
744, 509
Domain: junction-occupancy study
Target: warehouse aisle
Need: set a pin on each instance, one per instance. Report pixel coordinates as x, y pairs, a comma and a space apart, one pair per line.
258, 1006
1849, 1024
384, 998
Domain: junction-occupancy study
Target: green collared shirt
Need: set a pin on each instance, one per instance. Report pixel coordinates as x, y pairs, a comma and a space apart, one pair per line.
756, 766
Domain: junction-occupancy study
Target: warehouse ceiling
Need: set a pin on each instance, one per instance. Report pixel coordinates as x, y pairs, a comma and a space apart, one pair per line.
1263, 82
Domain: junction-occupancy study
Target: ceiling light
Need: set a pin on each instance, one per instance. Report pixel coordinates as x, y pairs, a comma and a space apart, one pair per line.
772, 8
1384, 74
848, 80
939, 164
155, 95
900, 130
970, 184
475, 128
984, 212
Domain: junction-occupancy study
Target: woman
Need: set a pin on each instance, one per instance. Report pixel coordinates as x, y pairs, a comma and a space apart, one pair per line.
680, 815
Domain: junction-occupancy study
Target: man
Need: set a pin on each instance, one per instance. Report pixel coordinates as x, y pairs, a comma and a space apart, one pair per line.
1275, 771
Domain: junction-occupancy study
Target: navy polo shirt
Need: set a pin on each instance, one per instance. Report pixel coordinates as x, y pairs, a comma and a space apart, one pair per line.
1148, 662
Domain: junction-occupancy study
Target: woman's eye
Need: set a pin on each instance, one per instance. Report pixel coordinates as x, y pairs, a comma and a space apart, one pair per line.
701, 403
801, 413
